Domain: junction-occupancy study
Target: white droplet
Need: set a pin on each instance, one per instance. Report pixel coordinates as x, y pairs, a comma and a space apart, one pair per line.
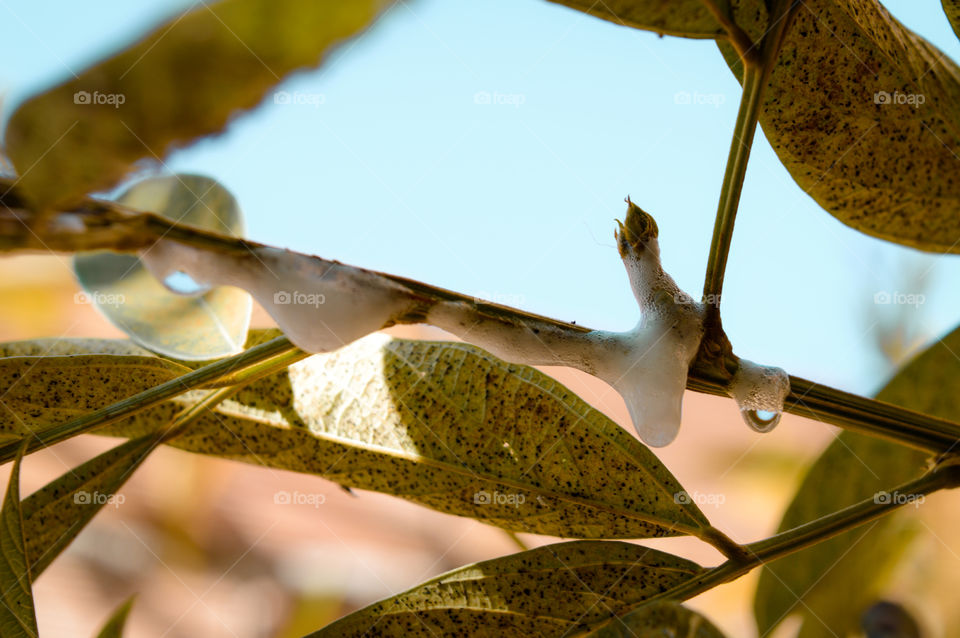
760, 392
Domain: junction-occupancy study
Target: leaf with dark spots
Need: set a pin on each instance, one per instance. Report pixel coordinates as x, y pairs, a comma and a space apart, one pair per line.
554, 590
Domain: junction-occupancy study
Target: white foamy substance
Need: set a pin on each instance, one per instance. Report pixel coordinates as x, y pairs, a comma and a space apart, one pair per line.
321, 306
318, 304
760, 389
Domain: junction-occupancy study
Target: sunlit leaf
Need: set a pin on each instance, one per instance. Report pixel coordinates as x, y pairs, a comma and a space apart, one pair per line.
17, 616
840, 578
451, 427
658, 620
686, 18
54, 515
553, 590
208, 325
184, 80
114, 626
865, 115
45, 390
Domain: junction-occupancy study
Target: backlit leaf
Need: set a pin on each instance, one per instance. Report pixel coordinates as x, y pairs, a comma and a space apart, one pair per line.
658, 620
184, 80
114, 626
687, 18
17, 616
865, 115
451, 427
853, 468
54, 515
553, 590
202, 326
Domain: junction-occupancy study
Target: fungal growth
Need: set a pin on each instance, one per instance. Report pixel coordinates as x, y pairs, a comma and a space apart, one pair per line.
323, 305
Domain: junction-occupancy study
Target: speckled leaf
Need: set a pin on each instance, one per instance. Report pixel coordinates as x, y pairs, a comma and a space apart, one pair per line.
865, 115
56, 514
952, 9
451, 427
17, 616
44, 390
658, 620
114, 626
840, 578
553, 590
686, 18
203, 326
184, 80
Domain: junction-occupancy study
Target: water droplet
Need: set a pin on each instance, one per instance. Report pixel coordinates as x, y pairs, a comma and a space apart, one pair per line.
183, 284
761, 420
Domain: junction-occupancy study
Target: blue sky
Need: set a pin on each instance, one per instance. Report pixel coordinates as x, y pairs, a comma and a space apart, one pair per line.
396, 166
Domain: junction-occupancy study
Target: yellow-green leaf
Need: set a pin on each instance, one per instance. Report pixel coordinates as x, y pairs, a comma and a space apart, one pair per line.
46, 390
555, 590
839, 579
865, 115
952, 9
56, 514
658, 620
184, 80
208, 325
114, 626
686, 18
451, 427
17, 616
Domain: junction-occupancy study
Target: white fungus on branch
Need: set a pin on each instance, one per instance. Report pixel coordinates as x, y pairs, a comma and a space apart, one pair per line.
323, 305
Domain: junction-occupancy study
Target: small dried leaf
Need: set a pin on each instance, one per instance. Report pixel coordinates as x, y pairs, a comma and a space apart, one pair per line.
208, 325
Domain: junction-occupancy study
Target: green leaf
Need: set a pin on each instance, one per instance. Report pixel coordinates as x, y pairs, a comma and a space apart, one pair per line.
184, 80
204, 326
686, 18
114, 626
839, 578
865, 115
17, 616
46, 390
54, 515
658, 620
952, 9
451, 427
553, 590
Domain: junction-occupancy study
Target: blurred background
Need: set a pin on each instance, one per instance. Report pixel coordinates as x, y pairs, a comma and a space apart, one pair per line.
484, 147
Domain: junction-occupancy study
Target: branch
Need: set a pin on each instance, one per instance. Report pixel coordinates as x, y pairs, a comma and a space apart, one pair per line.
794, 540
102, 225
756, 73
